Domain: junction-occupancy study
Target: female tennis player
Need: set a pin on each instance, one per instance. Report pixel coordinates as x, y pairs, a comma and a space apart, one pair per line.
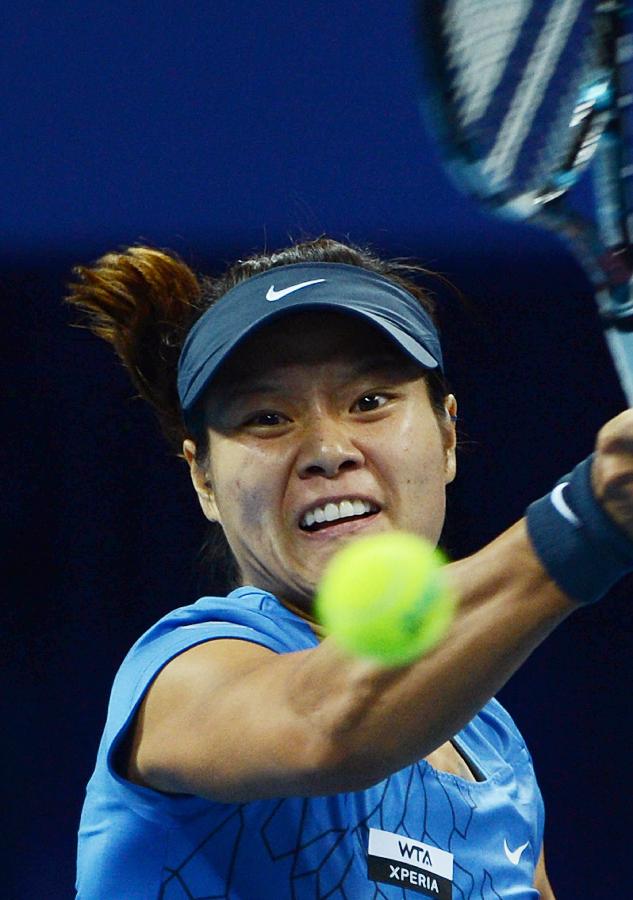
245, 755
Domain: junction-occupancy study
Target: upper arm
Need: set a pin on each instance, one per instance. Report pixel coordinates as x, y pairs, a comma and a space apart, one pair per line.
213, 723
541, 881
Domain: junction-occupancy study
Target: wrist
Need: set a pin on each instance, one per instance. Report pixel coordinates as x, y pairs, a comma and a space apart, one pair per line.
579, 545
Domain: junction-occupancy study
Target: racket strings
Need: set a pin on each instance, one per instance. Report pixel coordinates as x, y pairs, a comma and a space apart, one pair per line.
531, 90
480, 38
512, 76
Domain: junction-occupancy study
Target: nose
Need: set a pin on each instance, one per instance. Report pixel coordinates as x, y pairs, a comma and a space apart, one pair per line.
327, 449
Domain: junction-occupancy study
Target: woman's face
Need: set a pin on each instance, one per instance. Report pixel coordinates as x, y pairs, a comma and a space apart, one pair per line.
316, 409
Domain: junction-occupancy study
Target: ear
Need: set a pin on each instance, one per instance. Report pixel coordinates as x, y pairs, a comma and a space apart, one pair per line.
450, 438
201, 480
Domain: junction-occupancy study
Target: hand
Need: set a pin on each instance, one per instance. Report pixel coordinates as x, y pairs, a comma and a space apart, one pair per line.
612, 470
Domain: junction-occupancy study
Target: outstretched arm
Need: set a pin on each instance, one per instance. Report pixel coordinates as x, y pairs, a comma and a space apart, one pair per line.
235, 722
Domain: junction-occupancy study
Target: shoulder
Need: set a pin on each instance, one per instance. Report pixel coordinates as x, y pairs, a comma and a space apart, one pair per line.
246, 614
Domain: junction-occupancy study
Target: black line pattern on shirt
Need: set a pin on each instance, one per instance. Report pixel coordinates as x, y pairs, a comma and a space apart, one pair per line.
487, 889
315, 881
175, 885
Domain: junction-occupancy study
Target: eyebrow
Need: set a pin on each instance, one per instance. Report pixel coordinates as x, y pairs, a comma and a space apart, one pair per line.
367, 367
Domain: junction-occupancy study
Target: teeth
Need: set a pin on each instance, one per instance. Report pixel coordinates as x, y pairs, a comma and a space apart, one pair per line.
333, 511
346, 508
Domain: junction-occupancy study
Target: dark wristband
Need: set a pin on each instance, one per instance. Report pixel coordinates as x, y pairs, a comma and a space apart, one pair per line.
581, 548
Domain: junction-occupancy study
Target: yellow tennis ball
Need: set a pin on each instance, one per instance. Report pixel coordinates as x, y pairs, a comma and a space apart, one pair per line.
385, 597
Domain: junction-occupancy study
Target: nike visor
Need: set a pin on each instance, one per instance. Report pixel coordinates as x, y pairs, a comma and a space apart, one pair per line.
261, 299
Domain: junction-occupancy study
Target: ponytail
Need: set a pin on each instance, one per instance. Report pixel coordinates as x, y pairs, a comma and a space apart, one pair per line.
143, 301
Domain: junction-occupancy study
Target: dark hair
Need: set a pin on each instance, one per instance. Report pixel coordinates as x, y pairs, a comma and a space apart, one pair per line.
143, 301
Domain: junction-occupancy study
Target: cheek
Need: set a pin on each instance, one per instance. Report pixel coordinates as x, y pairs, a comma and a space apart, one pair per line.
254, 502
417, 467
420, 448
245, 490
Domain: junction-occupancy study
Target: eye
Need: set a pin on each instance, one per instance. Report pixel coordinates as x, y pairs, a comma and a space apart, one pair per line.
370, 402
266, 419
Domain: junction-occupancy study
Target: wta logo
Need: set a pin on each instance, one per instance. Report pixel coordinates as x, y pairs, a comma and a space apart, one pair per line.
411, 865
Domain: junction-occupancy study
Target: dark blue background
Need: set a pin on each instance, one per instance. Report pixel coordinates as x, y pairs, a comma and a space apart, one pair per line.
217, 129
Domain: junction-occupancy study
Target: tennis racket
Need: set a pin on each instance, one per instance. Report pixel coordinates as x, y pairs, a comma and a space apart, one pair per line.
525, 97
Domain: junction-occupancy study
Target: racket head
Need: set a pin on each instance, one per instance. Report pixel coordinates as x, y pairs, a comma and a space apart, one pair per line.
518, 93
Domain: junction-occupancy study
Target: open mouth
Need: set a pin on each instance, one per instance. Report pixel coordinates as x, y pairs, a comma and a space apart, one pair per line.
334, 515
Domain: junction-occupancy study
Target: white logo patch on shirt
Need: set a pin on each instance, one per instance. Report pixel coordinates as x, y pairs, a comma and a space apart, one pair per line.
412, 865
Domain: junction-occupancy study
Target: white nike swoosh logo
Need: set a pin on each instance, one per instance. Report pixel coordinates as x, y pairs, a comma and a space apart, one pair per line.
272, 294
560, 505
514, 855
